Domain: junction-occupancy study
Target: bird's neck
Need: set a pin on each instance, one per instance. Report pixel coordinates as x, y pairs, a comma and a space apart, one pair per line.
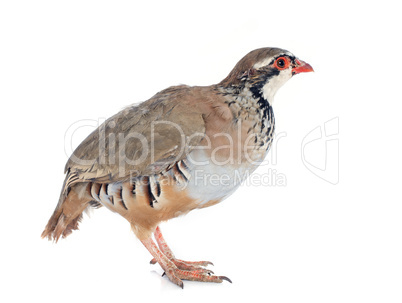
252, 99
250, 107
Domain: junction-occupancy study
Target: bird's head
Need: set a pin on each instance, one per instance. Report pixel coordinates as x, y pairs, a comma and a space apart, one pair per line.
263, 71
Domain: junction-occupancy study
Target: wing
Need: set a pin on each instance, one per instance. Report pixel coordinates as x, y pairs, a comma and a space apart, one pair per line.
140, 140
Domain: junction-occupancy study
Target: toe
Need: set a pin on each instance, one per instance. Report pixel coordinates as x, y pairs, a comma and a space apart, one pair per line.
172, 275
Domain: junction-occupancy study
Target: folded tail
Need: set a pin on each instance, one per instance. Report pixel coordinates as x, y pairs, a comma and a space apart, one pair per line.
68, 212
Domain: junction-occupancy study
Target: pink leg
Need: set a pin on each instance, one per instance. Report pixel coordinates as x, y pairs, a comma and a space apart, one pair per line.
177, 274
163, 261
186, 265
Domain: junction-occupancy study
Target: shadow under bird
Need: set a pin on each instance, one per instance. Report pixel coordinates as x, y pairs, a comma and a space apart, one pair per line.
153, 162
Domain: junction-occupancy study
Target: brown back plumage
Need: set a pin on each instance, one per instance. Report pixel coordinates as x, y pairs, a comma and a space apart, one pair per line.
112, 154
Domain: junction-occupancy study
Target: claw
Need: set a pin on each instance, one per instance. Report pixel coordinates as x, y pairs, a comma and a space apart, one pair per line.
153, 261
225, 278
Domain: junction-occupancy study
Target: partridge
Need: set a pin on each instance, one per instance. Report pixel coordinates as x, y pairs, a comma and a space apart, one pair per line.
186, 148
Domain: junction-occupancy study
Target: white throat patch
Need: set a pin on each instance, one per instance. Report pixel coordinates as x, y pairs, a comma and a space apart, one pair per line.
271, 87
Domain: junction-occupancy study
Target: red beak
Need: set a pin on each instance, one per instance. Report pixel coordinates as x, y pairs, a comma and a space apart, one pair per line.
302, 67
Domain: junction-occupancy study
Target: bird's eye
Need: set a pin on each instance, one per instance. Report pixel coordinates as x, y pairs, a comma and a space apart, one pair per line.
281, 63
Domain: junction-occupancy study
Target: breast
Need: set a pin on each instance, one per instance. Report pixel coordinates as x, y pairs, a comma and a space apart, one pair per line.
211, 181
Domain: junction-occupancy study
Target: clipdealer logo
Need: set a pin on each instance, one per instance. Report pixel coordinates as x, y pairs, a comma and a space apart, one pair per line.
320, 151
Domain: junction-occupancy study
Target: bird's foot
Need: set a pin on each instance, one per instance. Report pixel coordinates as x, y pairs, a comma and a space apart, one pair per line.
176, 275
177, 270
194, 266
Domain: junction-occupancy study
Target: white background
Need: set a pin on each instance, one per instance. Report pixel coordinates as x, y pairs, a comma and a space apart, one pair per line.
308, 241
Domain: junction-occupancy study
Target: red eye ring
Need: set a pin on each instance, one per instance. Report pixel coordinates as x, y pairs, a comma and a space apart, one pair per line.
282, 63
